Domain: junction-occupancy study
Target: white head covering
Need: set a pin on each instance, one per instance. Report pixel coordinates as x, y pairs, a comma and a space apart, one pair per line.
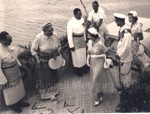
93, 31
119, 15
134, 13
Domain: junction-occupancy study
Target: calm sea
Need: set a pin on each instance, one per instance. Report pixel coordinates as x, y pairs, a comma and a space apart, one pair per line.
23, 19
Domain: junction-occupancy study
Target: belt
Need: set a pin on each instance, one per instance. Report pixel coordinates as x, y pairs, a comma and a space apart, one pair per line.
8, 67
97, 56
45, 56
78, 35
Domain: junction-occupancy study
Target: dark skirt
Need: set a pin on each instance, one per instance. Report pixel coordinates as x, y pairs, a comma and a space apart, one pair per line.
45, 76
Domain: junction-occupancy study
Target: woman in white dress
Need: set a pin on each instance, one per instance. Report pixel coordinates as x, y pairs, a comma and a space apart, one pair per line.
137, 35
96, 51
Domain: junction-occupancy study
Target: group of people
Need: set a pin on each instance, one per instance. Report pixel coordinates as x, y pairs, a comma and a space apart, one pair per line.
87, 45
94, 32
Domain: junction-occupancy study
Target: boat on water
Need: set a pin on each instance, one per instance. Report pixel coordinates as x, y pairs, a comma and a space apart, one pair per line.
139, 103
113, 35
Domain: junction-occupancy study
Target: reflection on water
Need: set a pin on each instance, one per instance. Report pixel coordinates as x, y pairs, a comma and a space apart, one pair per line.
24, 18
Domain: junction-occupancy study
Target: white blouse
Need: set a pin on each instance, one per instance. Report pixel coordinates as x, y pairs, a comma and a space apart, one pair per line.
44, 43
94, 17
5, 54
74, 26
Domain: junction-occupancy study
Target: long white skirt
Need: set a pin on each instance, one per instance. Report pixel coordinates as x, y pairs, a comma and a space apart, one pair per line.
79, 57
14, 94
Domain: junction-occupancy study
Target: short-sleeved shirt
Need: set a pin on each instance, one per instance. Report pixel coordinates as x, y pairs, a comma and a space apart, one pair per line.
136, 28
98, 48
94, 17
44, 43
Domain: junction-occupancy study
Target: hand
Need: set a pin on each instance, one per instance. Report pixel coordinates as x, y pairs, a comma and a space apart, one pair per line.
117, 56
88, 60
55, 56
72, 49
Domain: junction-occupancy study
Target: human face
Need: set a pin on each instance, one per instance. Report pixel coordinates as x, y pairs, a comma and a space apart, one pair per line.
95, 7
130, 17
7, 41
49, 31
78, 15
118, 22
92, 37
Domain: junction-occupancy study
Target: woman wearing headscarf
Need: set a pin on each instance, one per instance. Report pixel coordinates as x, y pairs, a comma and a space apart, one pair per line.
43, 48
137, 35
96, 51
10, 75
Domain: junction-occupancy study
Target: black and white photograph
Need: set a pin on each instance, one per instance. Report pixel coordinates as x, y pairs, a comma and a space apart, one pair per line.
74, 56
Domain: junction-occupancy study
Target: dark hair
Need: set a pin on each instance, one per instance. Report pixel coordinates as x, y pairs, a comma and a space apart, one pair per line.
95, 36
134, 18
3, 35
95, 2
76, 10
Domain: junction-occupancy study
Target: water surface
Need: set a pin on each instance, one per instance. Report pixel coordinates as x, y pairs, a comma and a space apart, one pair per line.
23, 19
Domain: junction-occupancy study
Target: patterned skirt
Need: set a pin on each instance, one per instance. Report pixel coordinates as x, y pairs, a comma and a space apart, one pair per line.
45, 76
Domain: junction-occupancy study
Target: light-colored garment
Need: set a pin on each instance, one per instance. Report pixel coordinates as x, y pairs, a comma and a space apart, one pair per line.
74, 26
76, 39
98, 73
79, 57
44, 43
14, 94
136, 28
125, 71
124, 46
143, 59
13, 75
95, 17
124, 51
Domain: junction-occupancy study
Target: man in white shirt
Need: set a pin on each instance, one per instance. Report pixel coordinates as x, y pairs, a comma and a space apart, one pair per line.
124, 49
96, 18
76, 39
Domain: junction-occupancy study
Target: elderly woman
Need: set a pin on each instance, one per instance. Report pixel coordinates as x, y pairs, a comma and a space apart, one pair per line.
137, 35
11, 81
97, 50
43, 48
